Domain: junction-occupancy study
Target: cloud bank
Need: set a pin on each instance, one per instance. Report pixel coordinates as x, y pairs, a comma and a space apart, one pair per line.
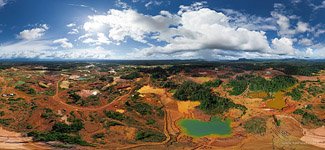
195, 31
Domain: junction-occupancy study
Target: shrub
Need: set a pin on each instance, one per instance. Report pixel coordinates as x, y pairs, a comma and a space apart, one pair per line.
131, 76
114, 115
6, 122
238, 86
110, 123
150, 121
308, 118
76, 126
57, 136
295, 94
143, 108
48, 113
255, 125
215, 83
98, 136
150, 136
2, 113
108, 79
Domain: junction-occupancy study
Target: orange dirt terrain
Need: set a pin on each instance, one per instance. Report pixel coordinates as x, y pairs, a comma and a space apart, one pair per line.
105, 105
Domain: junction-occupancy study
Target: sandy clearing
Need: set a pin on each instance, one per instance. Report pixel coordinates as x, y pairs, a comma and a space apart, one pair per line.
148, 89
64, 84
186, 106
14, 140
200, 79
314, 137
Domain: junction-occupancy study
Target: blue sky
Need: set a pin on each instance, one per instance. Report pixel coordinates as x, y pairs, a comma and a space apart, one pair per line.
162, 29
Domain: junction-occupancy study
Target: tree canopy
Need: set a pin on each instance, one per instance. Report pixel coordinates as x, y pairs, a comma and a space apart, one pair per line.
210, 103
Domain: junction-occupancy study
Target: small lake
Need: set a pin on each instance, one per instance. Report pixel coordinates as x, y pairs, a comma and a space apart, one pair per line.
197, 128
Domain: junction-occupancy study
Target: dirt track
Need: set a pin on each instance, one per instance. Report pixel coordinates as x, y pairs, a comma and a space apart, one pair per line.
57, 99
167, 121
314, 137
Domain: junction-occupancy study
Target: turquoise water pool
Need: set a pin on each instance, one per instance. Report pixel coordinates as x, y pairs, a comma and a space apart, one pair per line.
198, 128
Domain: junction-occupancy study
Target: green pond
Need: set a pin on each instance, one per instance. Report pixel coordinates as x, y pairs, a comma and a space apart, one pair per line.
198, 128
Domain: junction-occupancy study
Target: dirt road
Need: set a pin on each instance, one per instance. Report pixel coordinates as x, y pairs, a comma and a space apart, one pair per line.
57, 99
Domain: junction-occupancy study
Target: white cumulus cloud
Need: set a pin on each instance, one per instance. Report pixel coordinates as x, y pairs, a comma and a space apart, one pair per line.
3, 3
70, 25
305, 42
34, 33
283, 46
193, 28
64, 42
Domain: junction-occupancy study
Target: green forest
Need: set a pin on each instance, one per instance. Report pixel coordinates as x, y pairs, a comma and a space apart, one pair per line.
256, 83
210, 103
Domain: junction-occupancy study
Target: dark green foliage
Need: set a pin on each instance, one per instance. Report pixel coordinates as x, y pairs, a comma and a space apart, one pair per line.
238, 86
315, 90
160, 112
75, 97
48, 113
61, 132
308, 118
298, 112
151, 121
135, 96
169, 84
277, 122
57, 136
309, 106
191, 91
20, 88
131, 76
61, 127
76, 126
108, 124
49, 92
301, 85
108, 79
215, 83
308, 70
98, 136
92, 100
255, 125
6, 122
259, 84
156, 73
114, 115
31, 91
29, 126
13, 100
150, 136
210, 103
2, 113
216, 104
295, 94
281, 82
26, 89
277, 83
135, 104
143, 108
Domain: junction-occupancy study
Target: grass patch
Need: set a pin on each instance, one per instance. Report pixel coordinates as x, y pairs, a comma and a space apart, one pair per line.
255, 125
